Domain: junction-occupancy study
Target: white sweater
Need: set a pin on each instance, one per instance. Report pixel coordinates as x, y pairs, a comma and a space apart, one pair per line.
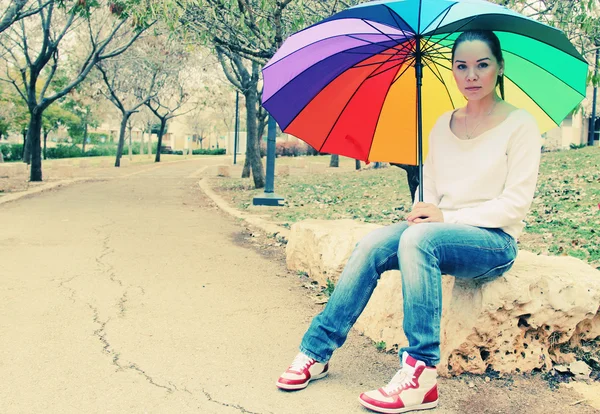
488, 181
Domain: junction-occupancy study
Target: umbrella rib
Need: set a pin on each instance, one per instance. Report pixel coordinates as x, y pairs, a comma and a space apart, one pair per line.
345, 106
328, 38
434, 74
545, 70
354, 36
439, 53
395, 16
446, 11
408, 66
377, 63
440, 78
385, 34
372, 75
542, 109
451, 33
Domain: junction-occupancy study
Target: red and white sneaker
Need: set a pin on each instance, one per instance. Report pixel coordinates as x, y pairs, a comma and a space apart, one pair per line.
303, 370
414, 387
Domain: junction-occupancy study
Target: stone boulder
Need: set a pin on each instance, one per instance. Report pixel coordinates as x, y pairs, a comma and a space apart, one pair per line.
515, 323
14, 176
321, 248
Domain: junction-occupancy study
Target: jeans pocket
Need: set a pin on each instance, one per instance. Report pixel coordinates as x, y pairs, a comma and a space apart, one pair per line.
495, 272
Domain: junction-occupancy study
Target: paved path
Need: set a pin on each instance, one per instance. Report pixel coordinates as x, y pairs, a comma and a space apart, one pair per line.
137, 295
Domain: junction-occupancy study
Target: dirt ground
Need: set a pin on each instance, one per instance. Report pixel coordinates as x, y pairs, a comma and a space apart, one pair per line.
138, 295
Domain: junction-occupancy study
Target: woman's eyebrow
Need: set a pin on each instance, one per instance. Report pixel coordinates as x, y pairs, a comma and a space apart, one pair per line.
479, 60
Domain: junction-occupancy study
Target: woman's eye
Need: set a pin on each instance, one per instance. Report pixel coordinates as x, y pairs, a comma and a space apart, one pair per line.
483, 65
460, 66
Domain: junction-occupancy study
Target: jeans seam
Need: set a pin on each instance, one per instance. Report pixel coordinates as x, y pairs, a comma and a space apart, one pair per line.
489, 249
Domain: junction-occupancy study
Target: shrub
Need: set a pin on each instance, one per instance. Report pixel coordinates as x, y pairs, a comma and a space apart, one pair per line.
216, 151
287, 149
12, 152
98, 138
102, 151
64, 151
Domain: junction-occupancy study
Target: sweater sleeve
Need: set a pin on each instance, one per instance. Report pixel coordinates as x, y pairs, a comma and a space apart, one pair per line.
430, 194
523, 158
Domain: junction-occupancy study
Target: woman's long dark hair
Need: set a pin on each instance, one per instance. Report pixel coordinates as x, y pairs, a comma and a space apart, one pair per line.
490, 39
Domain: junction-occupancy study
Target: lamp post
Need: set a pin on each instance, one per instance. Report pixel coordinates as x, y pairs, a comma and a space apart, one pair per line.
237, 123
592, 127
269, 198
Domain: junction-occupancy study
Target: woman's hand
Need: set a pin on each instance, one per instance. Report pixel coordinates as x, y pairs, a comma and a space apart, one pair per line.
425, 213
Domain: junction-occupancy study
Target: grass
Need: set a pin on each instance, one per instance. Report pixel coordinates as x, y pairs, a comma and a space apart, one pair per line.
564, 218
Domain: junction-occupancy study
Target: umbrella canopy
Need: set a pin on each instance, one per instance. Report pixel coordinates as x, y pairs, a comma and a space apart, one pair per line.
347, 85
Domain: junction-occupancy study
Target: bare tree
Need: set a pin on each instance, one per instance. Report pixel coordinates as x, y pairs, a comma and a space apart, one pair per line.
128, 87
17, 10
168, 105
247, 82
33, 61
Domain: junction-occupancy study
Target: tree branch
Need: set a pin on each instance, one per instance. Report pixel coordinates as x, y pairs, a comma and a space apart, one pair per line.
230, 77
50, 75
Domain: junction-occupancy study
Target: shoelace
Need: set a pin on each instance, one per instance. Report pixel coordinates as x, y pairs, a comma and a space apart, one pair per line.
300, 362
402, 380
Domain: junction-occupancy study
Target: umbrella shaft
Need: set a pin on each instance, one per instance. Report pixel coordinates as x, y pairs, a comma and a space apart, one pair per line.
419, 76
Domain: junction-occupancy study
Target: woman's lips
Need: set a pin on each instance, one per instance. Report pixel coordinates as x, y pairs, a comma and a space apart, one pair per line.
473, 88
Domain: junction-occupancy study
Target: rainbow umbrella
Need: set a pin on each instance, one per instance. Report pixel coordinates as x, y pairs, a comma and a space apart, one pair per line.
368, 82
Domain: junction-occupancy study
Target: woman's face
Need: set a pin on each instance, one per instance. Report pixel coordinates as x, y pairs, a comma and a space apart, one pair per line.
475, 69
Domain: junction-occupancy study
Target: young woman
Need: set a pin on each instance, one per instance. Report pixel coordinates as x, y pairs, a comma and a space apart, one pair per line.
479, 181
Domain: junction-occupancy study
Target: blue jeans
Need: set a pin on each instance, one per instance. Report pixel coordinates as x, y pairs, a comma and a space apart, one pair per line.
422, 252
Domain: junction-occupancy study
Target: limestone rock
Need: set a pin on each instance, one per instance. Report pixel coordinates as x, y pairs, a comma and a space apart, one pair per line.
223, 171
321, 247
581, 370
515, 323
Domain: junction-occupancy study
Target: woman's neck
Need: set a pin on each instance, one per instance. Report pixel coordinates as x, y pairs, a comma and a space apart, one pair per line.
482, 106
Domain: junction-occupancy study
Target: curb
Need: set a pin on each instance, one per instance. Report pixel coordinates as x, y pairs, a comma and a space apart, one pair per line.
63, 183
13, 197
264, 225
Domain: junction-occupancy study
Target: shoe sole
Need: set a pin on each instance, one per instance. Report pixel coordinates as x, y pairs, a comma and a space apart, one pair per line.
426, 406
296, 387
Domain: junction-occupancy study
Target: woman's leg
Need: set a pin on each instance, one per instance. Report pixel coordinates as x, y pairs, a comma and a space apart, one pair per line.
373, 255
426, 251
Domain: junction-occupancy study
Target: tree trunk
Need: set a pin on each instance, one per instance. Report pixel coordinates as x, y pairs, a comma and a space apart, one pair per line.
34, 133
335, 161
85, 137
126, 116
45, 139
27, 145
1, 157
246, 168
252, 139
142, 143
130, 128
163, 124
357, 165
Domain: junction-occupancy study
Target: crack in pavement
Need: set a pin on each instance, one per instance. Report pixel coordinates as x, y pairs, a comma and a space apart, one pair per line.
100, 333
236, 406
122, 303
73, 291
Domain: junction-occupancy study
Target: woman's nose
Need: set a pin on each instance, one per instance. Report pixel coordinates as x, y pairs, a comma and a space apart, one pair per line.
471, 75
